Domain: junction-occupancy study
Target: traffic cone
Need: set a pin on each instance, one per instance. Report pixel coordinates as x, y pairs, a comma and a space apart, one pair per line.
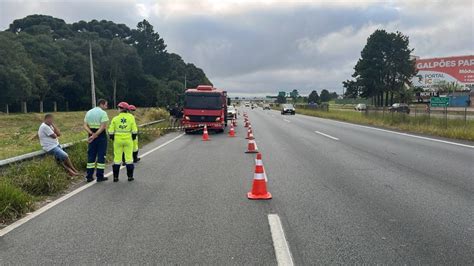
249, 134
247, 123
205, 134
231, 131
252, 147
259, 186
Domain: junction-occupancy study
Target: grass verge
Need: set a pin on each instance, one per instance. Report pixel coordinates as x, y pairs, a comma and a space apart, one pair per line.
24, 185
435, 126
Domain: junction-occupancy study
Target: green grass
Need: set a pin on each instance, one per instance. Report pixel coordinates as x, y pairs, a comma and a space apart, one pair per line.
18, 132
455, 128
13, 201
25, 183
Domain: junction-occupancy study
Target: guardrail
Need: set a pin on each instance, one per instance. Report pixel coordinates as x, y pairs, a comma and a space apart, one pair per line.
34, 154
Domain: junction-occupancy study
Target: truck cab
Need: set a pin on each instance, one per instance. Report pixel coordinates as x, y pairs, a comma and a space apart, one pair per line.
205, 105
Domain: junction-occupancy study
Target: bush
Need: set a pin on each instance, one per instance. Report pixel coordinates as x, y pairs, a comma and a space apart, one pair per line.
13, 201
153, 114
40, 177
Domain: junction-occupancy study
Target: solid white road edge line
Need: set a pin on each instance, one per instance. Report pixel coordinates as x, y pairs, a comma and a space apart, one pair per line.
326, 135
403, 134
50, 205
282, 250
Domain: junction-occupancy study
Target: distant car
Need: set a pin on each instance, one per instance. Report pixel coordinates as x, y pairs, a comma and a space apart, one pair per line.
288, 109
266, 106
231, 112
399, 108
360, 107
247, 104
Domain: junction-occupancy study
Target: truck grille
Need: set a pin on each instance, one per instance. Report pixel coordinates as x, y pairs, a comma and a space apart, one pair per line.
203, 118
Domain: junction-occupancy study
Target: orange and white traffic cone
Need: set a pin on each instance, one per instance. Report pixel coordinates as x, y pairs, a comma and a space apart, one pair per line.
231, 131
249, 134
259, 186
247, 123
205, 134
252, 147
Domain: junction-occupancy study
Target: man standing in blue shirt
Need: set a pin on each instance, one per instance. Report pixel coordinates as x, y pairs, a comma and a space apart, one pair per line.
95, 123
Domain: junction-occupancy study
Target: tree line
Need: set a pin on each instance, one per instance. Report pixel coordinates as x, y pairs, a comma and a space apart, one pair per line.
313, 97
384, 70
45, 60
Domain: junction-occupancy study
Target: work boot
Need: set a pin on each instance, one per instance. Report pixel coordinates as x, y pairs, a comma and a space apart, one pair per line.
116, 171
130, 168
135, 157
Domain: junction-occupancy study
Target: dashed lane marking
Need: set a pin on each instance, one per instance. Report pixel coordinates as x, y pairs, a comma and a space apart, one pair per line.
326, 135
282, 250
48, 206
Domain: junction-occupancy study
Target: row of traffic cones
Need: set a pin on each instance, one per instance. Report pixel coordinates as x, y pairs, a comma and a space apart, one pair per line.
259, 185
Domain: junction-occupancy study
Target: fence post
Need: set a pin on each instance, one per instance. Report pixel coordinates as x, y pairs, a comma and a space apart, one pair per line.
7, 109
24, 108
55, 106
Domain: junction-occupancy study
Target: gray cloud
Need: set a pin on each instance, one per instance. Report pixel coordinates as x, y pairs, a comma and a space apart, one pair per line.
262, 47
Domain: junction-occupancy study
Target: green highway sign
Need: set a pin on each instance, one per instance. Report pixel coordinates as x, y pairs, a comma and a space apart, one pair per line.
439, 101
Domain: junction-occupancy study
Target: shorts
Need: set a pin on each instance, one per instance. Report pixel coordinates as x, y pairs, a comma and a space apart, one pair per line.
58, 153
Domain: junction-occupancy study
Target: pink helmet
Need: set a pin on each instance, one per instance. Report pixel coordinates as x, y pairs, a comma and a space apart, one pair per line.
132, 107
123, 105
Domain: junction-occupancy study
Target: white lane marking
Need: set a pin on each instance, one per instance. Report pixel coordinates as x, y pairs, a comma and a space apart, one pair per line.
405, 134
282, 250
50, 205
286, 120
326, 135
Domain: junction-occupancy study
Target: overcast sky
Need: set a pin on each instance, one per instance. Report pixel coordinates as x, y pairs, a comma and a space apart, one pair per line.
261, 47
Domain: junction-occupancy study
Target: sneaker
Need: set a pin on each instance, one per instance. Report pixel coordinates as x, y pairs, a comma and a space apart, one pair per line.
102, 179
131, 179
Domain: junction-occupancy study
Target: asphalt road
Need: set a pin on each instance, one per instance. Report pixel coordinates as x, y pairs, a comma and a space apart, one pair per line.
345, 194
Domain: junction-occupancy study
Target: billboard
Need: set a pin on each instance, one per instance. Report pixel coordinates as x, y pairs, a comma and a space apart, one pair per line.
431, 71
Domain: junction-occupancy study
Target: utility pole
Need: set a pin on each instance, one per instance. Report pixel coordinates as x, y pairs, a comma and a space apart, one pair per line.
185, 82
92, 76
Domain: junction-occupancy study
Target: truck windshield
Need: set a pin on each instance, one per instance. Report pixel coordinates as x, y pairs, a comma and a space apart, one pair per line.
208, 101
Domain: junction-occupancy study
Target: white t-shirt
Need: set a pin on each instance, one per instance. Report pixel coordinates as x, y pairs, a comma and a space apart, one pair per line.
47, 142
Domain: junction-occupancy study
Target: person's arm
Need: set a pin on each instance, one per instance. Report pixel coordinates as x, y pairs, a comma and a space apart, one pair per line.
49, 132
87, 128
56, 130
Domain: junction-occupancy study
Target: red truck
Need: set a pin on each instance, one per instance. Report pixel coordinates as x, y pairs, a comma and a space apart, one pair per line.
205, 105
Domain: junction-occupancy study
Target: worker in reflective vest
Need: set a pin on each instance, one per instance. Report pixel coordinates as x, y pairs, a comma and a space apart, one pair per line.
95, 123
123, 131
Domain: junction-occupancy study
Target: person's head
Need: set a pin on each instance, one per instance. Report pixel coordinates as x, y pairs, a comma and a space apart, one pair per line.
132, 108
102, 103
123, 107
48, 119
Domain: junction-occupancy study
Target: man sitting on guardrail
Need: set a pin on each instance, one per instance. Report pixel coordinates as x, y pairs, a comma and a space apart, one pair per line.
48, 135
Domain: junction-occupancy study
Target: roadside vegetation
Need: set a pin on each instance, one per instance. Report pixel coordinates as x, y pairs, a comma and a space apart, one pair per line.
24, 186
451, 128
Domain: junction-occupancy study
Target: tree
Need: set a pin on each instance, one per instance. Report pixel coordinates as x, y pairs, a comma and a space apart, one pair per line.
43, 58
352, 88
294, 95
313, 97
385, 66
325, 96
281, 98
17, 71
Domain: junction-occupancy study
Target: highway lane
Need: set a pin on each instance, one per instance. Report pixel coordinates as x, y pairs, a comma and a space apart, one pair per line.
370, 196
362, 196
188, 205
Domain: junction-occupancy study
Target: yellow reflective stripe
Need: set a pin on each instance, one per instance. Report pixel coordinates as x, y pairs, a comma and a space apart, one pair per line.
90, 165
100, 166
